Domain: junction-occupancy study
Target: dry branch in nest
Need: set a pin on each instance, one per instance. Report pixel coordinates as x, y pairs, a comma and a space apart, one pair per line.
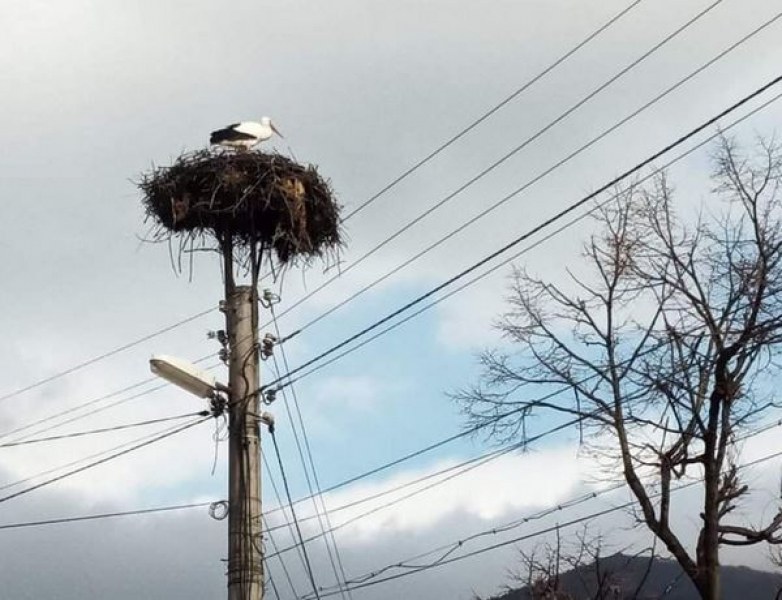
249, 203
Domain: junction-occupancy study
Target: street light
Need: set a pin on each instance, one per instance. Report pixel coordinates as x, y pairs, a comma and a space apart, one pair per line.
185, 375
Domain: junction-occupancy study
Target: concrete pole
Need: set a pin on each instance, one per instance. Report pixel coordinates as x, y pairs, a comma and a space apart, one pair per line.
245, 567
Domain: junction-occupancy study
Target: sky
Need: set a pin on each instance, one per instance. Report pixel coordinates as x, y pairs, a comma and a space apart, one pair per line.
96, 93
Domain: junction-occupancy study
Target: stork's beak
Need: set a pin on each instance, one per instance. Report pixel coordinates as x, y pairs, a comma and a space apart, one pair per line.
275, 130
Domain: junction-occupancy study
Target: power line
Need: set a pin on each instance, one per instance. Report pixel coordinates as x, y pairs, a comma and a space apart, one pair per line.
438, 444
483, 458
497, 107
102, 460
85, 405
281, 506
446, 550
335, 558
287, 378
442, 202
519, 190
533, 245
416, 166
274, 585
93, 402
105, 515
76, 434
301, 542
268, 529
103, 356
473, 464
280, 559
448, 560
420, 452
77, 461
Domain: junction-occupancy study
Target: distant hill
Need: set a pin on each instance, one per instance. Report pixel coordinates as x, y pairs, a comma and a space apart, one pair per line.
666, 580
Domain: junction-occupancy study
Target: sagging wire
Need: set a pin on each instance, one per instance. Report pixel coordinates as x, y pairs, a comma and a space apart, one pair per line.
321, 513
293, 514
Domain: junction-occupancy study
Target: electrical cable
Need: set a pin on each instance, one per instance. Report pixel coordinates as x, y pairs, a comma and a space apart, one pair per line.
321, 512
448, 559
420, 163
287, 378
281, 507
438, 444
274, 585
288, 577
530, 247
103, 460
480, 458
446, 550
518, 190
497, 107
101, 516
77, 461
301, 542
77, 434
512, 153
103, 356
91, 403
472, 464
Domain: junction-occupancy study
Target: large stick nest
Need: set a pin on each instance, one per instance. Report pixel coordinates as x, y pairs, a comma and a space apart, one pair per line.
251, 200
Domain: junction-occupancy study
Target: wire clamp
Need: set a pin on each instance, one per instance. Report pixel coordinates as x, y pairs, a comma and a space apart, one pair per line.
267, 345
269, 396
267, 419
269, 298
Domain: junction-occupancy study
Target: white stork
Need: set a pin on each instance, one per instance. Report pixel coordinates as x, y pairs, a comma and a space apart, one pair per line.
244, 135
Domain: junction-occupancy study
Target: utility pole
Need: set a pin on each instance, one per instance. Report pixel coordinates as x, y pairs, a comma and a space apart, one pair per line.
245, 558
251, 206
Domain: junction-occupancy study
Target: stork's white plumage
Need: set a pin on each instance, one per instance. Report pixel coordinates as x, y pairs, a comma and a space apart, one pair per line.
244, 135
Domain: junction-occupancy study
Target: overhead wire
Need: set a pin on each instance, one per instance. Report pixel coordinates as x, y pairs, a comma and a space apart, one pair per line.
100, 357
288, 377
322, 514
280, 559
446, 550
283, 507
526, 249
447, 440
448, 559
529, 183
393, 183
301, 543
494, 109
470, 466
77, 461
478, 461
273, 585
102, 516
507, 156
104, 460
78, 434
92, 403
482, 458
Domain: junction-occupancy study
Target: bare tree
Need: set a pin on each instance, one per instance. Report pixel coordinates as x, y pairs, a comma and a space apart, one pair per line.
579, 561
667, 345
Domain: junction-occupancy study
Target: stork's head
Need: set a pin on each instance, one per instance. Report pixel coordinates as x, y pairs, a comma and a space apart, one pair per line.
267, 122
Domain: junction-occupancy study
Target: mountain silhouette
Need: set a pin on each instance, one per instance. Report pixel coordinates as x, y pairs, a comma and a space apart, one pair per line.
620, 575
